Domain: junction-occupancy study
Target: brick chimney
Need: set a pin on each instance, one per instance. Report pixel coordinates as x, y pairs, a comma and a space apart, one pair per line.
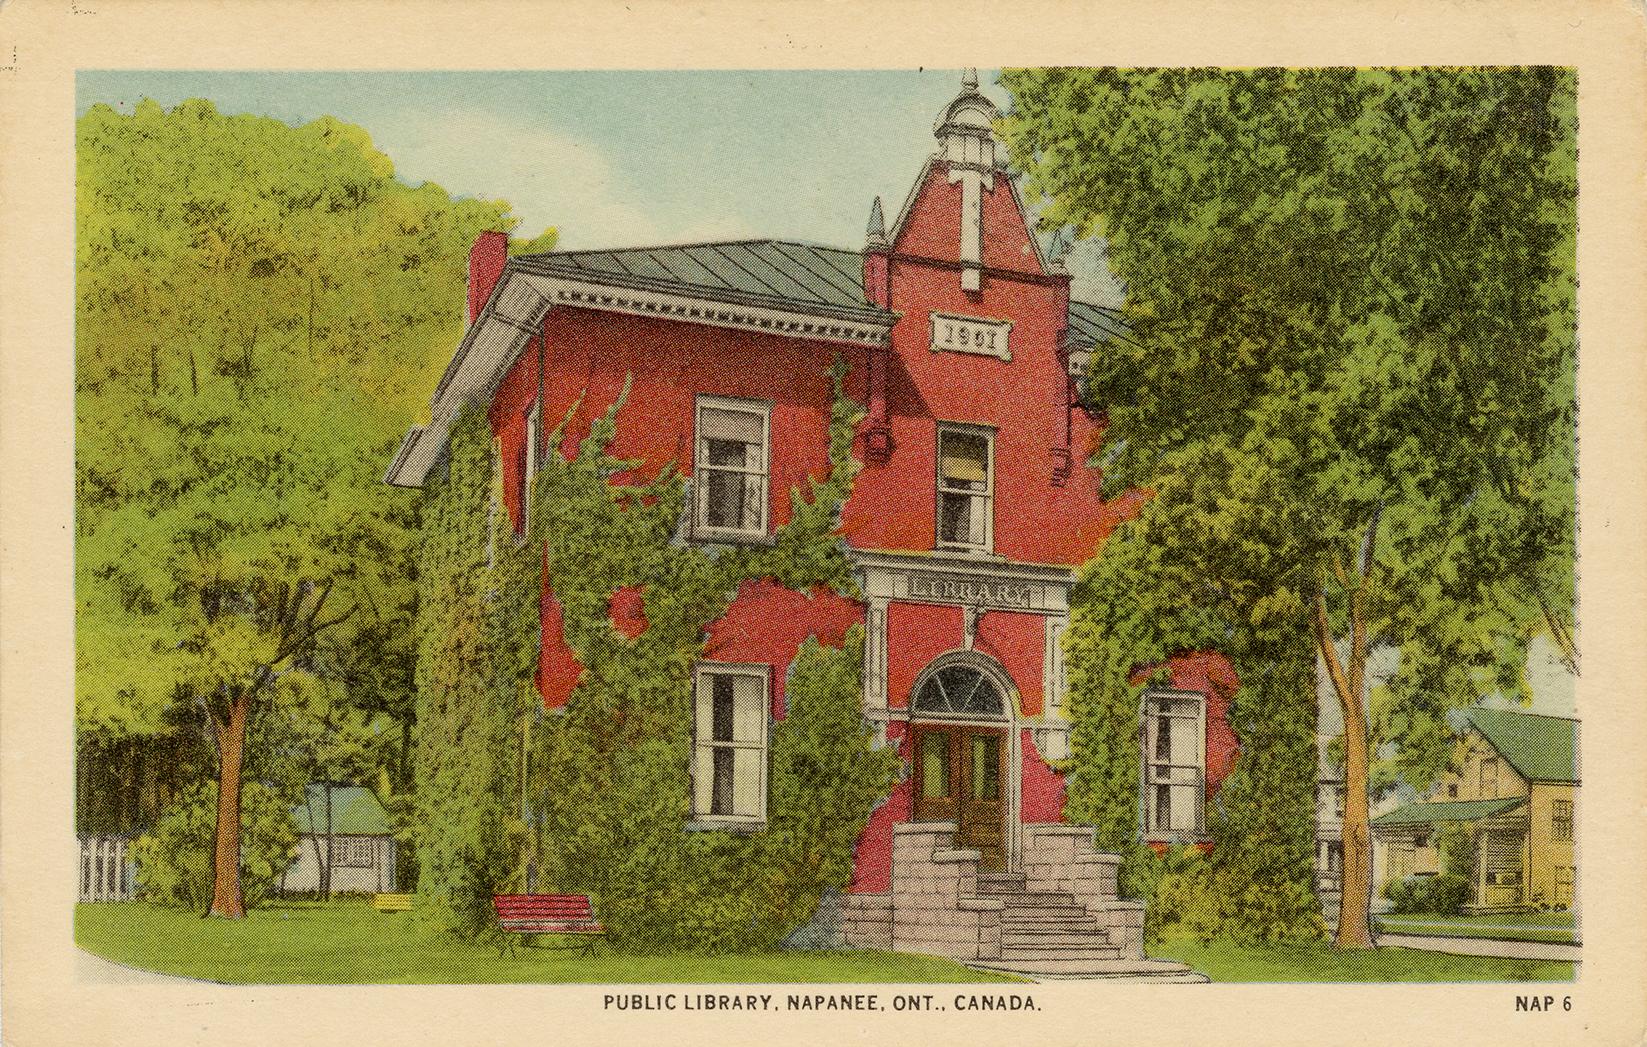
486, 261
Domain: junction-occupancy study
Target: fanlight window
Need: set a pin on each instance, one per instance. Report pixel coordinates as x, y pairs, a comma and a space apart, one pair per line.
959, 690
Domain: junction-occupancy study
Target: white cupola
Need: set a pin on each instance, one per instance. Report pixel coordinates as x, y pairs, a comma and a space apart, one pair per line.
966, 129
968, 147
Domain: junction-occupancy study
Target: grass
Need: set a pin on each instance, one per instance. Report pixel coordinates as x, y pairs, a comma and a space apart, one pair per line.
1321, 962
1526, 927
350, 942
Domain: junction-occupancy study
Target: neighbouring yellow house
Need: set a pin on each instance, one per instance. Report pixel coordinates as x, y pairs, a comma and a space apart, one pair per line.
1516, 791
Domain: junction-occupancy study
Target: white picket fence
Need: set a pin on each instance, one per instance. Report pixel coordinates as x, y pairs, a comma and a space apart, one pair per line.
106, 869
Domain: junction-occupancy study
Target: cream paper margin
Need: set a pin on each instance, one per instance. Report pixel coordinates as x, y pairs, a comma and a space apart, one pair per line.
44, 1004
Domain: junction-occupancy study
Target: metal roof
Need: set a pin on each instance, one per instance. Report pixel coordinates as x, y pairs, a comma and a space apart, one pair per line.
1457, 811
1090, 324
1540, 748
772, 272
785, 273
355, 812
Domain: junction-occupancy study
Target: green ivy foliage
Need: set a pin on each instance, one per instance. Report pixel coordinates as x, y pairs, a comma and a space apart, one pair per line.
174, 858
1132, 610
466, 739
606, 778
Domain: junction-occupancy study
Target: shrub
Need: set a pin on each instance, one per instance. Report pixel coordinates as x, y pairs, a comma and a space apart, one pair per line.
1444, 894
174, 859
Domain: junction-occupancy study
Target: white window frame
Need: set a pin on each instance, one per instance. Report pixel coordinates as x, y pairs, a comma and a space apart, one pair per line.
701, 469
534, 433
347, 852
1147, 720
703, 760
987, 434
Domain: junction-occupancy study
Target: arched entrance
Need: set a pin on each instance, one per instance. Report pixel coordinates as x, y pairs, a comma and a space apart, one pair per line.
960, 715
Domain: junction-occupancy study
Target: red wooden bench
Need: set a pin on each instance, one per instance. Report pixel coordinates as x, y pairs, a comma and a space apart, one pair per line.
570, 914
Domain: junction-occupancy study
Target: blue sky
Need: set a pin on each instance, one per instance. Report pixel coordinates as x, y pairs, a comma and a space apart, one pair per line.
625, 158
622, 158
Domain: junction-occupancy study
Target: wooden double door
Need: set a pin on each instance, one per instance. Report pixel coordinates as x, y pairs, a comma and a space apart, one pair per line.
960, 777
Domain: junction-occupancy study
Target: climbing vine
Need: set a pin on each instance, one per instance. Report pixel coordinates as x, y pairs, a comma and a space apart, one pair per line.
1132, 611
466, 742
604, 780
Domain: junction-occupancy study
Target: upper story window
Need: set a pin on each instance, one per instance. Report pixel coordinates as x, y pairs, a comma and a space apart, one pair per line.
1174, 763
729, 750
1561, 819
732, 459
966, 488
1489, 778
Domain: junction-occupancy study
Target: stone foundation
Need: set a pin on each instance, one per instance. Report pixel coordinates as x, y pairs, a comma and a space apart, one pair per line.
866, 921
935, 903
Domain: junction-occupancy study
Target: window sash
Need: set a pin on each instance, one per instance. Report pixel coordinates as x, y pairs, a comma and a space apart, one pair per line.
1561, 820
965, 486
729, 774
534, 434
1174, 758
733, 421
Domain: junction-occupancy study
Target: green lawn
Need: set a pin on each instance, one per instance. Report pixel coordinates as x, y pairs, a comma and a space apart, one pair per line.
350, 942
1526, 927
1321, 962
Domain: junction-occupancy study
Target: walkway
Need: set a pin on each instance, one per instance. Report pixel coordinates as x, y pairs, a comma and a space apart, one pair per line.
94, 970
1501, 947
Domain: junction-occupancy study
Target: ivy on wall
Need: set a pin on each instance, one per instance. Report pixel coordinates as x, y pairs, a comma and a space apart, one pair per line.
1126, 616
467, 741
604, 781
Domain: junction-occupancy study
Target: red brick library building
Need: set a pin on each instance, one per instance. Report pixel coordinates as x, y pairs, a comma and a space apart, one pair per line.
965, 526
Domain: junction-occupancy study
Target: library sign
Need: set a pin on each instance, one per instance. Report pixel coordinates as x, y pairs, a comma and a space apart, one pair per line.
976, 592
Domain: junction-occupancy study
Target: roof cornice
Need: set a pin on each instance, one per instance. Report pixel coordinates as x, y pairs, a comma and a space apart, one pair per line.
526, 292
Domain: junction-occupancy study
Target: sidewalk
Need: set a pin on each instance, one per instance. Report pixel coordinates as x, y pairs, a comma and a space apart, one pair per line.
1500, 947
94, 970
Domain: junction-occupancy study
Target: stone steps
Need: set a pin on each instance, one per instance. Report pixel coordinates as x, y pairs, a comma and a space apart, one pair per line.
1042, 914
1060, 938
1160, 971
1037, 899
1000, 883
1056, 951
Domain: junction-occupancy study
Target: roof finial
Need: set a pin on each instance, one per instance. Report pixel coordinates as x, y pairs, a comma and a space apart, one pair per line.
969, 80
1058, 252
875, 235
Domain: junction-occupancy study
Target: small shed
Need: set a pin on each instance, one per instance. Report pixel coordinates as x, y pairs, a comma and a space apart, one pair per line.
356, 855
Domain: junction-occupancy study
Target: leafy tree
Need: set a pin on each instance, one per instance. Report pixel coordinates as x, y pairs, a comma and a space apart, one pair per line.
258, 309
1350, 392
175, 857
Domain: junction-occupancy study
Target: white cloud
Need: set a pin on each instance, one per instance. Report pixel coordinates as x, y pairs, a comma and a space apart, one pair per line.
549, 179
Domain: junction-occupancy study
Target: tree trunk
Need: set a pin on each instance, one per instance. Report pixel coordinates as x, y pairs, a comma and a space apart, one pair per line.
1355, 893
231, 751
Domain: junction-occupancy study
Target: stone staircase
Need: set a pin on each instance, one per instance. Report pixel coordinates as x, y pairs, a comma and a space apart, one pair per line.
1060, 917
1047, 935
